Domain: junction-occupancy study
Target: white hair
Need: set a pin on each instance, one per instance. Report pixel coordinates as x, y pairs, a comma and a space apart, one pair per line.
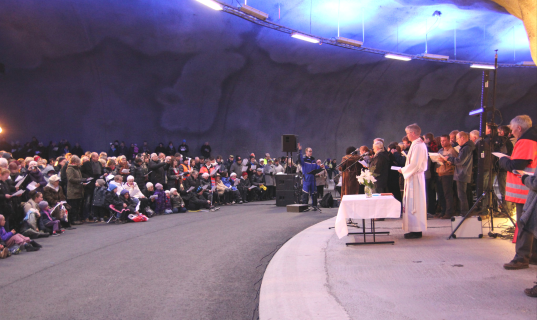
523, 121
172, 190
474, 133
204, 175
232, 174
130, 178
3, 163
379, 139
149, 184
378, 145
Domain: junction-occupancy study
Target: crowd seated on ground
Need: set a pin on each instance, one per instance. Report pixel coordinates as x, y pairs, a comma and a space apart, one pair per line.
65, 186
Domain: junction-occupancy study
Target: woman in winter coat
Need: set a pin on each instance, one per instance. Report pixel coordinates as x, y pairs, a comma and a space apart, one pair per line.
53, 194
110, 167
75, 189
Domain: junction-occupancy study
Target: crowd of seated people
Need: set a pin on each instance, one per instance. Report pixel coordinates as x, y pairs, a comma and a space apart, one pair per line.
46, 190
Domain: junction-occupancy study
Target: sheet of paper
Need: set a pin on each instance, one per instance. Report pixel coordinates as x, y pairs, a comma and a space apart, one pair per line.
213, 188
19, 178
236, 183
153, 196
244, 162
499, 154
20, 182
205, 187
125, 171
251, 187
521, 172
148, 173
190, 189
109, 177
89, 179
31, 186
253, 167
363, 163
457, 148
18, 193
395, 168
244, 168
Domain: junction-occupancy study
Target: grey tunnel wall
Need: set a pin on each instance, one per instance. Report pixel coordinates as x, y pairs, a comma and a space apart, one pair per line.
96, 71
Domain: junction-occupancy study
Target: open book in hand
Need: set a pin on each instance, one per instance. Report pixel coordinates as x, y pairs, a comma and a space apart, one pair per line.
125, 171
251, 187
396, 168
190, 189
435, 157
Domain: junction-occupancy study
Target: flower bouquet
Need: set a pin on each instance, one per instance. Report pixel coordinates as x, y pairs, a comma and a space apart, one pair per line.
367, 178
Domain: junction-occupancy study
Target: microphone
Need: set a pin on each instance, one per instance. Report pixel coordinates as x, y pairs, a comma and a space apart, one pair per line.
355, 151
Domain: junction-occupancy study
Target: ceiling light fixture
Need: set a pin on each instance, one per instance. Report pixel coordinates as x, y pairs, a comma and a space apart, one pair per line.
350, 42
254, 12
304, 37
482, 66
212, 4
434, 56
397, 57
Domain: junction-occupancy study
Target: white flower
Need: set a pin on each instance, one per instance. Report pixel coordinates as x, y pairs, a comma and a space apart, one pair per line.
360, 179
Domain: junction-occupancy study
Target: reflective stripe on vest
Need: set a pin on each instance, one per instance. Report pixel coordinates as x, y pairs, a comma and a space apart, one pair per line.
516, 186
509, 196
528, 169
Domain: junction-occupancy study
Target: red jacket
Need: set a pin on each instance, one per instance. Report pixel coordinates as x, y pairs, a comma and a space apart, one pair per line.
524, 158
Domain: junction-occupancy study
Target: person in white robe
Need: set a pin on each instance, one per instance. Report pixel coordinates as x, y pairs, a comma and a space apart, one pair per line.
414, 200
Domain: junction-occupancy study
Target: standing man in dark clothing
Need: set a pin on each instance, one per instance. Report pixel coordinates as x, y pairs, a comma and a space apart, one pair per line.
91, 169
183, 149
206, 150
158, 169
463, 168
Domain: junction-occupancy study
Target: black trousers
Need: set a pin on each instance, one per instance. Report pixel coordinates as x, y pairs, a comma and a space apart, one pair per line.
320, 191
76, 209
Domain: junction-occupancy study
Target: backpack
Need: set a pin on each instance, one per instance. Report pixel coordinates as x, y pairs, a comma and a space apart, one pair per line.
327, 201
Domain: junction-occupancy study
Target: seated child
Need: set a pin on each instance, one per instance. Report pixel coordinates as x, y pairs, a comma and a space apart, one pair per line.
178, 205
47, 220
13, 238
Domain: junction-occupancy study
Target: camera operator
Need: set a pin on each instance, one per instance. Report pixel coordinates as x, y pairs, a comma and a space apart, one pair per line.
524, 158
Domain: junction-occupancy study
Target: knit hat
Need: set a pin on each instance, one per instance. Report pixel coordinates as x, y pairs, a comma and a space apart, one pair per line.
112, 187
167, 192
54, 178
244, 174
259, 169
232, 174
158, 186
43, 204
100, 182
172, 190
6, 155
124, 191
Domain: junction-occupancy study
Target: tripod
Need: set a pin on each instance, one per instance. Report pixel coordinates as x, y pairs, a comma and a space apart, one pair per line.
488, 193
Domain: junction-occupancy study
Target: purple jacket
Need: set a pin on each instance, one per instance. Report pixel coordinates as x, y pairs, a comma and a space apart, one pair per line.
161, 201
5, 235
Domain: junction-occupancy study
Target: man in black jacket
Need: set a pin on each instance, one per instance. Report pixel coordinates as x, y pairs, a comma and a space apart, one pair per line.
183, 149
91, 169
206, 150
158, 169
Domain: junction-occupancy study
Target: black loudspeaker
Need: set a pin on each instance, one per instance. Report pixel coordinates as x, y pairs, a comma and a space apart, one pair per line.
285, 197
286, 182
289, 142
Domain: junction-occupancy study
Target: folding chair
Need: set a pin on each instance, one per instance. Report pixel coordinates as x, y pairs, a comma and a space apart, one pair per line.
114, 214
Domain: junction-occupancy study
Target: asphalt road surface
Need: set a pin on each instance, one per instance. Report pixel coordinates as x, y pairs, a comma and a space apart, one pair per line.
196, 265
